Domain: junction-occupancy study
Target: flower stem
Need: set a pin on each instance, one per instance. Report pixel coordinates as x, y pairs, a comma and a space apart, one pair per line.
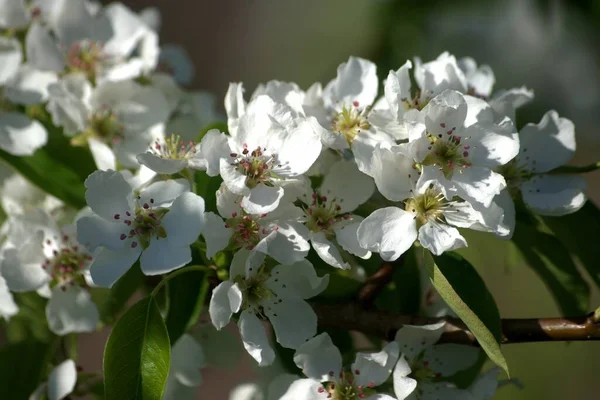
177, 273
571, 169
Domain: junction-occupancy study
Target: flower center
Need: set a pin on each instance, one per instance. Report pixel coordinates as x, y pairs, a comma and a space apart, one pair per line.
323, 214
416, 103
254, 290
427, 206
449, 152
85, 56
422, 372
514, 174
345, 388
174, 148
66, 262
103, 125
257, 166
145, 224
247, 230
350, 121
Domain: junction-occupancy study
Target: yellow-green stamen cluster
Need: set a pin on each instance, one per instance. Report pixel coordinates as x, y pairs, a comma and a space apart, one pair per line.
103, 126
323, 213
427, 206
247, 230
350, 122
257, 166
174, 148
345, 388
85, 57
448, 152
145, 224
67, 262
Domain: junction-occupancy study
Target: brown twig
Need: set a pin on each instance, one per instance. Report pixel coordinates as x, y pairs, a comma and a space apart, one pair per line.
385, 324
376, 282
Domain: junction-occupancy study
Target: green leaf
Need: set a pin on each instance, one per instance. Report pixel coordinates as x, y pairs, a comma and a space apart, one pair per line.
207, 186
549, 258
23, 366
137, 355
341, 286
466, 294
575, 231
30, 323
186, 295
44, 172
119, 293
221, 126
403, 294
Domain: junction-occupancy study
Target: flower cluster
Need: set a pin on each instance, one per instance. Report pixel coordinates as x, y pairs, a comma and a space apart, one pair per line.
337, 172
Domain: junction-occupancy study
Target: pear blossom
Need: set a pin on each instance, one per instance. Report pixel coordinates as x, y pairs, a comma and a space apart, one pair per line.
157, 224
61, 383
342, 109
21, 85
480, 79
269, 147
187, 358
321, 362
121, 117
255, 289
39, 253
429, 216
174, 154
99, 45
458, 142
279, 234
328, 214
423, 365
544, 146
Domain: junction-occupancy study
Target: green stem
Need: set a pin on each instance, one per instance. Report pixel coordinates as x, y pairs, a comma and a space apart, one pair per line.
571, 169
177, 273
72, 346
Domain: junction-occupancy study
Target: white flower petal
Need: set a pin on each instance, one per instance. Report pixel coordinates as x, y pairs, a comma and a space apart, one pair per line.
478, 184
213, 147
318, 358
293, 320
445, 111
481, 80
94, 231
187, 358
436, 391
389, 231
20, 135
108, 194
356, 80
554, 195
438, 75
29, 86
104, 158
62, 379
220, 307
10, 58
375, 368
14, 14
414, 339
397, 89
505, 102
296, 280
403, 385
42, 51
439, 237
485, 385
161, 165
71, 311
393, 171
164, 192
287, 244
235, 106
262, 199
68, 103
327, 250
8, 307
347, 237
547, 145
216, 235
22, 266
185, 219
492, 144
255, 339
164, 255
348, 185
297, 150
232, 178
449, 358
108, 266
303, 389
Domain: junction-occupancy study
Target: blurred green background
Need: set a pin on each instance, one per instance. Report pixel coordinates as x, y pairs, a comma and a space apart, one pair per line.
549, 46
